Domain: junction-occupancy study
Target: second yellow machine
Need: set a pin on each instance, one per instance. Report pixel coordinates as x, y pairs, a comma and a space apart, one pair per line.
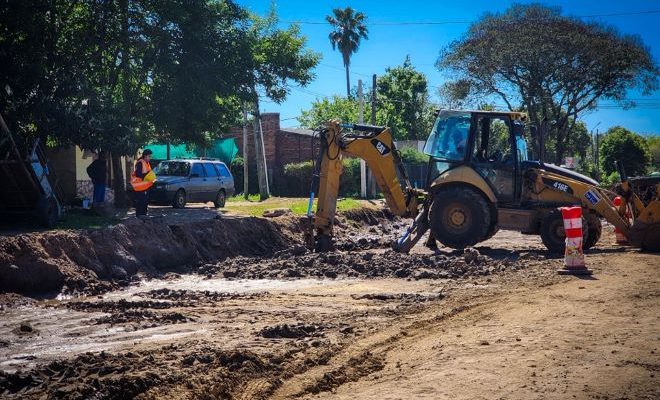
479, 180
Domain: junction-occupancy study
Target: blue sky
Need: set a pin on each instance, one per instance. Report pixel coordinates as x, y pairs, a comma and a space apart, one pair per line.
388, 46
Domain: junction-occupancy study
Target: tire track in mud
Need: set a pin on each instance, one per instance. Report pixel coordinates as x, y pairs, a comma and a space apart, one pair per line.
373, 347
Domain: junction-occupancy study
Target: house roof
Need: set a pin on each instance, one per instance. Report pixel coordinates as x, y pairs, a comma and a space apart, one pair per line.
298, 131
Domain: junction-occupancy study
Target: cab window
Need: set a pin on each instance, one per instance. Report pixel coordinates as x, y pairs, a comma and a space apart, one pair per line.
197, 170
449, 137
521, 143
492, 141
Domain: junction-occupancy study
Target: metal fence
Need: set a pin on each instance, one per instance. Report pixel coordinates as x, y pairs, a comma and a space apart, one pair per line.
417, 174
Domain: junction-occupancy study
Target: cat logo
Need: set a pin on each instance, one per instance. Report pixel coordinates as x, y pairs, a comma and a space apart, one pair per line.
381, 147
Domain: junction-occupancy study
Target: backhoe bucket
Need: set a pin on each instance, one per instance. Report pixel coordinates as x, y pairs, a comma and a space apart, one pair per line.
645, 235
645, 230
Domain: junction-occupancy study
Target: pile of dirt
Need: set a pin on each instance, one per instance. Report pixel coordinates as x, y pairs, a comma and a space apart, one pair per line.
198, 297
96, 261
123, 305
205, 372
292, 331
141, 319
389, 264
367, 228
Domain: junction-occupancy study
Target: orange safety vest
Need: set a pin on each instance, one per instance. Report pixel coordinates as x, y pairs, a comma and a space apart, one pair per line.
140, 185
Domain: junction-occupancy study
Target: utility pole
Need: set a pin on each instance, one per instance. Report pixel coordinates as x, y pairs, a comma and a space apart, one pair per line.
373, 100
363, 165
596, 156
264, 192
372, 181
245, 153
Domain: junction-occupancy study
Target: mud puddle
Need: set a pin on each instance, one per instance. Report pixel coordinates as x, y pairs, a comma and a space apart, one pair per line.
216, 285
152, 311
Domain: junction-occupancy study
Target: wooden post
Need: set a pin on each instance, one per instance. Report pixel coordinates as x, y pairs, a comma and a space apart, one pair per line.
372, 180
363, 164
245, 154
264, 193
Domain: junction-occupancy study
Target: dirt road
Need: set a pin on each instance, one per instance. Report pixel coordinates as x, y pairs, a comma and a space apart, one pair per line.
575, 339
363, 322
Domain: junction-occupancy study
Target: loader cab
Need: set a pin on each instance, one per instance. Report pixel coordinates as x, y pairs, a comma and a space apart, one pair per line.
490, 143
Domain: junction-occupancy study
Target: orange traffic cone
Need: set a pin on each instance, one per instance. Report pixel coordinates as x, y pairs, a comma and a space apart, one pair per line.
620, 237
573, 255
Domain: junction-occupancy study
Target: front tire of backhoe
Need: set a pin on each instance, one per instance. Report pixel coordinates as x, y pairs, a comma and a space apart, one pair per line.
460, 217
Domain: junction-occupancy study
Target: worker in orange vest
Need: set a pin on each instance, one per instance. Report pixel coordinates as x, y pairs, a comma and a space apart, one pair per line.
141, 185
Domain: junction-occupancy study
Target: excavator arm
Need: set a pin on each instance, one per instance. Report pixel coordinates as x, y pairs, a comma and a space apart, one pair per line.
376, 147
643, 231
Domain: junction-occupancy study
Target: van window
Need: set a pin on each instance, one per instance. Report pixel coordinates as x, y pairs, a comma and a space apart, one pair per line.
197, 169
210, 171
172, 168
224, 172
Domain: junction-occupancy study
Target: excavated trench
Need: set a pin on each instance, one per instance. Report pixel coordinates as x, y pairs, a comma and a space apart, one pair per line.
220, 308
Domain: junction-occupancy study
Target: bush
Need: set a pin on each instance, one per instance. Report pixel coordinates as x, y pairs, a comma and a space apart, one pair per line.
607, 181
297, 179
412, 156
236, 168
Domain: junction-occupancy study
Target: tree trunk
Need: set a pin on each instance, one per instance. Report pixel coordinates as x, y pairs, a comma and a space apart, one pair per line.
560, 146
118, 182
348, 83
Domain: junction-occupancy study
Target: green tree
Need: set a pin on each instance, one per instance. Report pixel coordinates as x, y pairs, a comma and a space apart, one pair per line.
117, 74
348, 29
403, 98
626, 146
654, 146
328, 108
37, 78
198, 62
535, 59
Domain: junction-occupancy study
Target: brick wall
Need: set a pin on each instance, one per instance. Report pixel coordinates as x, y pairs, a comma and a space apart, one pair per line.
293, 148
281, 147
270, 124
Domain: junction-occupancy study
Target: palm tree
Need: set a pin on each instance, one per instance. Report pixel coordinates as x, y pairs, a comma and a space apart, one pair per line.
348, 28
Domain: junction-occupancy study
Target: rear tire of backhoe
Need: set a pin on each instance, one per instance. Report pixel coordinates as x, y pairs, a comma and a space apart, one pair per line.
554, 236
460, 217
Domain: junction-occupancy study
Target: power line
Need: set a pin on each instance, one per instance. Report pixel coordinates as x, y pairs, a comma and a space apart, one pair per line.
449, 22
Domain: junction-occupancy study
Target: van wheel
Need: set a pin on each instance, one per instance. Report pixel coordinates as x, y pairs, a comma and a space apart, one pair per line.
554, 236
179, 200
220, 199
460, 217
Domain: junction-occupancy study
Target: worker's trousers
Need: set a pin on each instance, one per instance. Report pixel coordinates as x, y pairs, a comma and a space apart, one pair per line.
141, 202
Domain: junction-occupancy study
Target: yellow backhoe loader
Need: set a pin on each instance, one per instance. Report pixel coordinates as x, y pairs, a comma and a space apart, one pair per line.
479, 181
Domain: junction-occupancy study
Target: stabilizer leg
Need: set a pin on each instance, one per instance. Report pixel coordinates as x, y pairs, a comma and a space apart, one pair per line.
413, 234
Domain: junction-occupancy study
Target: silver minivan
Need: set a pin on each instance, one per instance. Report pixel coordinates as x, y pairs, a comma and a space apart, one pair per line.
191, 180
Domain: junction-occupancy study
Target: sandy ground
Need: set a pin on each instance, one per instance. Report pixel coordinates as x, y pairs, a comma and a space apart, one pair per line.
595, 338
499, 325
